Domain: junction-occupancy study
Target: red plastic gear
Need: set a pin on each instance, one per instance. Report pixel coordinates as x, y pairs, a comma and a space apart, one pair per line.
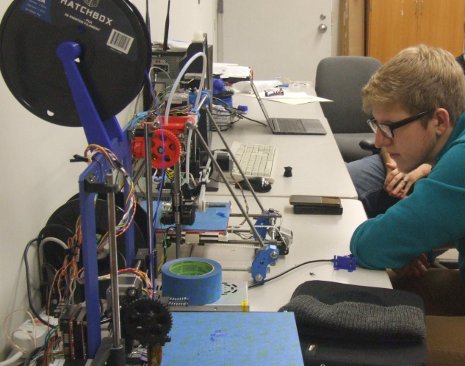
166, 149
138, 147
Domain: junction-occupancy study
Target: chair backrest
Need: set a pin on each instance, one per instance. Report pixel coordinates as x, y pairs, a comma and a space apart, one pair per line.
341, 79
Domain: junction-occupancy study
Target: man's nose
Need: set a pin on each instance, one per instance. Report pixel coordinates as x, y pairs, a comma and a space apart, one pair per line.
381, 140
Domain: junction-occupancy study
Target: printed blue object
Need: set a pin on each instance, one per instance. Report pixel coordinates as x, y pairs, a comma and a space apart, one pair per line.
348, 262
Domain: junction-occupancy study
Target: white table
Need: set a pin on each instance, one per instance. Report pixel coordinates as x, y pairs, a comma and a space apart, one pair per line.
317, 165
315, 237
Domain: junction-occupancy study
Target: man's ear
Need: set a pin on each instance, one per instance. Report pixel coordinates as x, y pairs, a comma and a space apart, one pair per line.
443, 122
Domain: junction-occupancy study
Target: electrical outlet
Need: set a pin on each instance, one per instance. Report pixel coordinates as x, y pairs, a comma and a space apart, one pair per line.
30, 335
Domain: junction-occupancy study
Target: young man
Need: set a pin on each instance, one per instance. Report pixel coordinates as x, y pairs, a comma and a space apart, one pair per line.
417, 100
379, 183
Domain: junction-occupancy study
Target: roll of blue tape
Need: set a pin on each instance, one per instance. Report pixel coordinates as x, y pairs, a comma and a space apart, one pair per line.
198, 279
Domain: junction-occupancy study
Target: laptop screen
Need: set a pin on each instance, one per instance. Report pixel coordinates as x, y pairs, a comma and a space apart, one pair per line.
260, 101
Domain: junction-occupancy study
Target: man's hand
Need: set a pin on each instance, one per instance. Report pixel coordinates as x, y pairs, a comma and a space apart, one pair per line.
394, 184
416, 268
398, 184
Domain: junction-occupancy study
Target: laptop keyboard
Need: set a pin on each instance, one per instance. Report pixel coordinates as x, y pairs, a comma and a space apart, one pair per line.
255, 160
289, 125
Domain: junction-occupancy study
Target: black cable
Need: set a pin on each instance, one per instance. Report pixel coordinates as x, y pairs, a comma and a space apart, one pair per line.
234, 112
289, 270
147, 20
240, 115
28, 284
51, 230
32, 355
224, 104
167, 27
49, 272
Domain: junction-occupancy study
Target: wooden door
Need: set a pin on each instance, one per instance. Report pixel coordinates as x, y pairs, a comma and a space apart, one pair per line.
396, 24
441, 24
391, 27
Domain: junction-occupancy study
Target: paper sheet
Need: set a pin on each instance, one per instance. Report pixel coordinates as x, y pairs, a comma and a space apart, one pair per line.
293, 98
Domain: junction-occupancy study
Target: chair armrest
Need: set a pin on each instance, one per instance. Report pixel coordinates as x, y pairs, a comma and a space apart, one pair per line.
445, 257
368, 145
445, 264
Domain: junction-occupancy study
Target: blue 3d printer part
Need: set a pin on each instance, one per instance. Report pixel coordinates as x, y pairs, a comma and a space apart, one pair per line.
107, 134
269, 254
71, 91
264, 258
348, 262
263, 223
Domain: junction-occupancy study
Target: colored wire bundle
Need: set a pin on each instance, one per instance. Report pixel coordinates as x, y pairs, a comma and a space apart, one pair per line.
66, 277
52, 343
141, 274
70, 273
131, 202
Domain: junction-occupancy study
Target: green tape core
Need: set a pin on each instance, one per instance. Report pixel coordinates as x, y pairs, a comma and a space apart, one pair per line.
191, 268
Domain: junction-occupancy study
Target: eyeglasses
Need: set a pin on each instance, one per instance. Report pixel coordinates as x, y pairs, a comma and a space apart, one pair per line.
388, 129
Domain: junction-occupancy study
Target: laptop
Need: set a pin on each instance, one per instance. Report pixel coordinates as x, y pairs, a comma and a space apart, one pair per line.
289, 126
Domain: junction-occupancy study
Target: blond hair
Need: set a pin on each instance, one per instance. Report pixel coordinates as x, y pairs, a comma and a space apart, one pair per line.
420, 78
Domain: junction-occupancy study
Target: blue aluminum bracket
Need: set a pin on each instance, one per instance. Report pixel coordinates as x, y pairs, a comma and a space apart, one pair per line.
264, 258
262, 223
108, 134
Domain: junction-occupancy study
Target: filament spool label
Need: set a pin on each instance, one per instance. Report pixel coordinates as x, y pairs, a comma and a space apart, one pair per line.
115, 52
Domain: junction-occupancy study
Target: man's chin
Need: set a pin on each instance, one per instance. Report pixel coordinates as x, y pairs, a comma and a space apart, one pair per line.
404, 168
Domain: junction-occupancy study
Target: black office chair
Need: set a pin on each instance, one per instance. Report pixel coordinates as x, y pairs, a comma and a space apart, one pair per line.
341, 79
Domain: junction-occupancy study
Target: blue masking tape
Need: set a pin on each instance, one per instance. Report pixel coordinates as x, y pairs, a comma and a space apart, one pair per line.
198, 279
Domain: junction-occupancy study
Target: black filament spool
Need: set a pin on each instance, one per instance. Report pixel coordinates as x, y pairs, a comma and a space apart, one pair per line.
115, 46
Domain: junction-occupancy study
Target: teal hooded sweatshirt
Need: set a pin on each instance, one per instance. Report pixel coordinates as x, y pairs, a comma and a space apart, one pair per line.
431, 216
